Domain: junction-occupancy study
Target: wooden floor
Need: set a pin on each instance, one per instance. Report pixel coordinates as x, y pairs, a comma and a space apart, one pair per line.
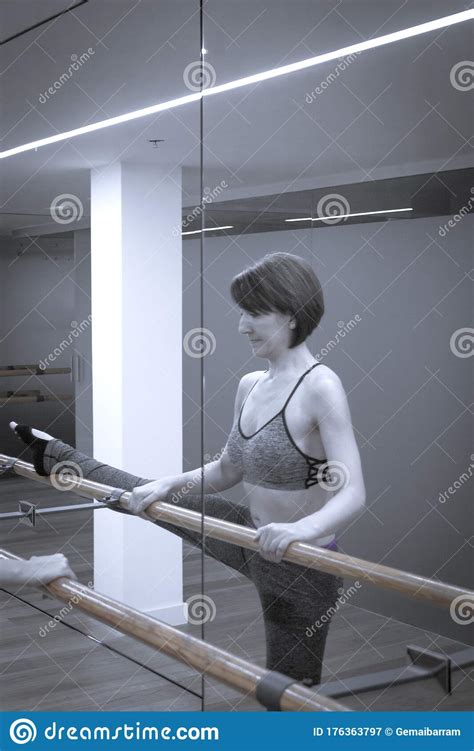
43, 668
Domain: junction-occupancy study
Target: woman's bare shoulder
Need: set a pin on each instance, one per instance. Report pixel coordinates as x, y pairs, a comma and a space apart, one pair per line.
324, 389
250, 377
246, 382
323, 370
323, 377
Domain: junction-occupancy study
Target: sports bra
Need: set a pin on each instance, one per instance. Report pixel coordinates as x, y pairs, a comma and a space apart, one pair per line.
270, 457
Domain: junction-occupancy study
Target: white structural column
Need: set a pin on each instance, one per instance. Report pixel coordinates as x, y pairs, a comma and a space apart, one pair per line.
136, 288
82, 352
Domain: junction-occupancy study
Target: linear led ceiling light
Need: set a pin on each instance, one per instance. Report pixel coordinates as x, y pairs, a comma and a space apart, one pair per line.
329, 217
396, 36
207, 229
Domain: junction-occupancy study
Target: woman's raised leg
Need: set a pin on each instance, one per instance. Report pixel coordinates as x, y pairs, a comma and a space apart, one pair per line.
57, 455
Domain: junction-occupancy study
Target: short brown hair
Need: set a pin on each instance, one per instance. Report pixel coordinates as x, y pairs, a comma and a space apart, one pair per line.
284, 283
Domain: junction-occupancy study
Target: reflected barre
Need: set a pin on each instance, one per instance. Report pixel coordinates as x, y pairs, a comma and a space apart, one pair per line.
30, 369
204, 657
32, 398
421, 588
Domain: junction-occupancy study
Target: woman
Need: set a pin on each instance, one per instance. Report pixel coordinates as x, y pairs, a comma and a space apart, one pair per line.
291, 423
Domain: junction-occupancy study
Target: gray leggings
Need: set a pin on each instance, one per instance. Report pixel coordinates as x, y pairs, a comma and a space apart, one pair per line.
296, 601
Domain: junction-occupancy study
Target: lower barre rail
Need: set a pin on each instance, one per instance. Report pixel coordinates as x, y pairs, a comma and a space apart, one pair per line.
206, 658
30, 369
29, 399
419, 587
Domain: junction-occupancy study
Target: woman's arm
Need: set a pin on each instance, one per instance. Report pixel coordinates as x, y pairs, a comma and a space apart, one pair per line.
37, 570
219, 475
331, 413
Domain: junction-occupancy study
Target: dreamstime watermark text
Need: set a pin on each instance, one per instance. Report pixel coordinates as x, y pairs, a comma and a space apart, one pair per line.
24, 730
76, 330
443, 229
208, 197
178, 495
463, 478
59, 617
77, 62
344, 595
333, 76
342, 330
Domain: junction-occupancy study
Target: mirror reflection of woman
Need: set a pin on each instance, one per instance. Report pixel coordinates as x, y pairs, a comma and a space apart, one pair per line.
293, 447
35, 571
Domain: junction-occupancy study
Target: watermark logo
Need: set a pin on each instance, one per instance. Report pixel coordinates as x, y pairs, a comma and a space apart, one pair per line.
178, 495
210, 458
342, 330
66, 610
458, 483
77, 61
333, 475
199, 75
66, 475
199, 609
323, 85
76, 330
209, 194
344, 595
23, 731
199, 342
332, 208
462, 342
443, 229
462, 75
462, 610
66, 208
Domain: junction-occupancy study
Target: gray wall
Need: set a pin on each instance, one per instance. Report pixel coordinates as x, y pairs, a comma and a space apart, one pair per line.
407, 392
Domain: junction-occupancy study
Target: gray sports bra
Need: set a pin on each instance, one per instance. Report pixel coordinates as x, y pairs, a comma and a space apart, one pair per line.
270, 457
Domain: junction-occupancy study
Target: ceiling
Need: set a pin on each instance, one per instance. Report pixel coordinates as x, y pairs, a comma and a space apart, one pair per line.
15, 24
392, 111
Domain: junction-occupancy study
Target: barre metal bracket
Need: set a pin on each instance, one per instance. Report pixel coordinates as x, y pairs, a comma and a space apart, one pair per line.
114, 497
7, 467
425, 664
112, 501
28, 513
432, 664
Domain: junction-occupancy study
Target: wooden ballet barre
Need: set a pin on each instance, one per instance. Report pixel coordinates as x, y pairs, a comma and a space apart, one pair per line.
204, 657
31, 369
35, 398
22, 392
330, 561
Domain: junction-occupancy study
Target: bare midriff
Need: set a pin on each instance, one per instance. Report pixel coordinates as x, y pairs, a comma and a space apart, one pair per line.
269, 505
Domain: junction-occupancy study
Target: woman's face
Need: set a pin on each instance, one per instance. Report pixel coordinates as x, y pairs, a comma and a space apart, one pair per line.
267, 332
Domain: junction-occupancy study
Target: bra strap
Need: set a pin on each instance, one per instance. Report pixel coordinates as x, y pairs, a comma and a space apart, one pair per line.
248, 392
299, 381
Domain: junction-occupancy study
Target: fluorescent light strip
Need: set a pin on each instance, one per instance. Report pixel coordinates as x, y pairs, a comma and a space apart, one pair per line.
396, 36
423, 28
207, 229
102, 124
344, 216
